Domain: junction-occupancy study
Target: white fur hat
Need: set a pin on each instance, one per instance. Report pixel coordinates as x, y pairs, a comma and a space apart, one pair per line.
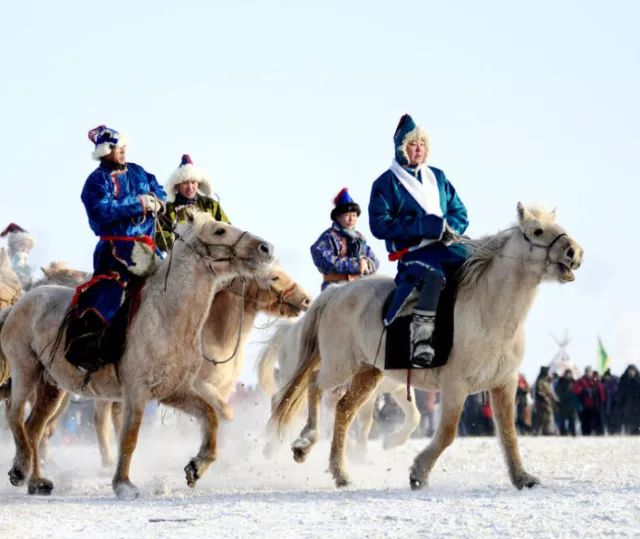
105, 138
18, 239
187, 171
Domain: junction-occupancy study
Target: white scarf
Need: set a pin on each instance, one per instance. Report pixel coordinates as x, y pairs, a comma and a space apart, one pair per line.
425, 193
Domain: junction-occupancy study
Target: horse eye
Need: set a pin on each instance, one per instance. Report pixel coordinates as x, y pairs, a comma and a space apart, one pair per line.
220, 232
538, 232
276, 278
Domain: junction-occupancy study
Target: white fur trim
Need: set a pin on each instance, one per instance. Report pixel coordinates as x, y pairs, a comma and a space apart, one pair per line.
20, 241
416, 133
184, 173
104, 149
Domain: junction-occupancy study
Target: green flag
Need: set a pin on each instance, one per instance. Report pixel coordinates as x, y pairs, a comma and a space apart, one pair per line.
604, 361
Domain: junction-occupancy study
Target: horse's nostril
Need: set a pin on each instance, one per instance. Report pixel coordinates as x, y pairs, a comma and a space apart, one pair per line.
265, 248
571, 252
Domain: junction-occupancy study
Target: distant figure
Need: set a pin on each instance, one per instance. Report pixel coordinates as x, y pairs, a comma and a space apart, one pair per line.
341, 253
523, 405
612, 419
568, 405
629, 400
590, 393
545, 402
20, 244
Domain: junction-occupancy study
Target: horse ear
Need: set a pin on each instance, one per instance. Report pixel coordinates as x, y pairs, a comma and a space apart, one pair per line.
190, 215
523, 213
44, 270
554, 214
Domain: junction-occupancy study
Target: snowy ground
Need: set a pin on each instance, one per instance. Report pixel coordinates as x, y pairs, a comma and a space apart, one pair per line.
591, 487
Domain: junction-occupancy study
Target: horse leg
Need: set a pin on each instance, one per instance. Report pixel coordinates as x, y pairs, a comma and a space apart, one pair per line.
309, 434
503, 404
365, 422
411, 419
363, 384
193, 404
52, 426
101, 416
211, 394
47, 401
22, 384
132, 419
452, 403
116, 415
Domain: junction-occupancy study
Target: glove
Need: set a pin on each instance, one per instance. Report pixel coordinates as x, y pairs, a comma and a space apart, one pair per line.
151, 203
448, 235
367, 267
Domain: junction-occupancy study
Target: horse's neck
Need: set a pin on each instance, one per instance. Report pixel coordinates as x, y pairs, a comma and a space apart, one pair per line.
185, 303
503, 296
229, 314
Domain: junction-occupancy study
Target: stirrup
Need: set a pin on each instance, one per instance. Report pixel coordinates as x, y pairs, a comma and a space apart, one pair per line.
422, 354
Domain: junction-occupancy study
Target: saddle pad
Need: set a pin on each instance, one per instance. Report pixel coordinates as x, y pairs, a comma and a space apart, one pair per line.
397, 349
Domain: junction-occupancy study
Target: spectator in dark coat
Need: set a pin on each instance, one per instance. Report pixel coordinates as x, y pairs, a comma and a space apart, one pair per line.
612, 419
629, 400
568, 405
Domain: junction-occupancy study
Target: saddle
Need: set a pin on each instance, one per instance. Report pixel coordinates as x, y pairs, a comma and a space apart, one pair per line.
398, 349
90, 342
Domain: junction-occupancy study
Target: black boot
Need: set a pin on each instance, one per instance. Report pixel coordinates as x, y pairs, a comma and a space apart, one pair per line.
421, 330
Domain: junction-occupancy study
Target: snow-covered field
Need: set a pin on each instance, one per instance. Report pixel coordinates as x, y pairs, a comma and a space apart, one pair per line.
591, 488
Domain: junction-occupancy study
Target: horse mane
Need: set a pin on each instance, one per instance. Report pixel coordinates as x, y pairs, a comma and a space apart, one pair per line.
483, 251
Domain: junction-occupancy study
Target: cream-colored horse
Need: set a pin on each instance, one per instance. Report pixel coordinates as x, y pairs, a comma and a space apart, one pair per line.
283, 349
342, 330
224, 336
163, 351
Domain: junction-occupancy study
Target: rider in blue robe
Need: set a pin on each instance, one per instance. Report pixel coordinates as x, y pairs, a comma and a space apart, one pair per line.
418, 213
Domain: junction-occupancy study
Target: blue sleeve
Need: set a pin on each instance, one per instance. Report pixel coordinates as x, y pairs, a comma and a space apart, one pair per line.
388, 220
456, 210
156, 188
328, 261
102, 207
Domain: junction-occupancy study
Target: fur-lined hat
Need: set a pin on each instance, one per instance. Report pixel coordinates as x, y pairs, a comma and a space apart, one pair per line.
406, 132
344, 204
105, 139
18, 239
185, 172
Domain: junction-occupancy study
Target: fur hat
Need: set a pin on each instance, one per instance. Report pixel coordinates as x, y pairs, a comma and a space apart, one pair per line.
105, 138
18, 239
187, 171
406, 132
344, 204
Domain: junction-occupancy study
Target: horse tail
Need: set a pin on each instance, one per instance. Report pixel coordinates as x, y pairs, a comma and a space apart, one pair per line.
290, 400
5, 373
267, 361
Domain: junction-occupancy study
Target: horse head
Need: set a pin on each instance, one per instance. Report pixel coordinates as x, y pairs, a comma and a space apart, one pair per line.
225, 250
544, 240
59, 273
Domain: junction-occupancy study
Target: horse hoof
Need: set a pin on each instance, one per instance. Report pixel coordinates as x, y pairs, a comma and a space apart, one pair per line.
342, 482
416, 484
525, 480
191, 473
126, 490
40, 486
16, 477
301, 448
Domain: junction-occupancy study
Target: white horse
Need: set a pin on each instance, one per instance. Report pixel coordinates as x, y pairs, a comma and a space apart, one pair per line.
282, 349
162, 355
343, 328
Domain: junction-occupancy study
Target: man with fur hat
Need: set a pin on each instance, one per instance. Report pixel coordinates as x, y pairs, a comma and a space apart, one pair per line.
20, 243
341, 253
187, 187
121, 199
418, 213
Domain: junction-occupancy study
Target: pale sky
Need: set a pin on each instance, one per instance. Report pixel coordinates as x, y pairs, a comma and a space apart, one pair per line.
284, 103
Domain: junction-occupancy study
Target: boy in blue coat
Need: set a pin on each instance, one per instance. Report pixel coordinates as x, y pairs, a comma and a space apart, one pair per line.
341, 253
418, 213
